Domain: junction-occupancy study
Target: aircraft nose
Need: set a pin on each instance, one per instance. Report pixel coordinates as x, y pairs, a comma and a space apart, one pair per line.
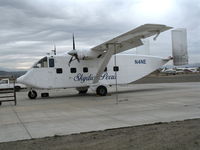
20, 79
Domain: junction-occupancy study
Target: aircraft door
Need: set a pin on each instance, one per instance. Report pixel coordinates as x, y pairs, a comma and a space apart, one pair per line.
51, 72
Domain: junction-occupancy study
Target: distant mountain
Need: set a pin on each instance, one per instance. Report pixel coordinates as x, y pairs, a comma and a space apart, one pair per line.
15, 74
10, 70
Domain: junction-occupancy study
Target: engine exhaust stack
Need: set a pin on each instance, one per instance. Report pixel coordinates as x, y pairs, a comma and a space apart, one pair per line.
179, 47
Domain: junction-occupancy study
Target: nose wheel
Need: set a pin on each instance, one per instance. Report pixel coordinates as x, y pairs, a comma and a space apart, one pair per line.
32, 94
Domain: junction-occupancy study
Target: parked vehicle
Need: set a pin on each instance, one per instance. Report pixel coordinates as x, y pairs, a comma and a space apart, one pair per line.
6, 84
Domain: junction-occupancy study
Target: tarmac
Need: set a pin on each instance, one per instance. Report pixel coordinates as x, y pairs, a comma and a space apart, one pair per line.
66, 112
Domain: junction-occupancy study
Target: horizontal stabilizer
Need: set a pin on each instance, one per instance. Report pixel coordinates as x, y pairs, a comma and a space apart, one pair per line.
179, 47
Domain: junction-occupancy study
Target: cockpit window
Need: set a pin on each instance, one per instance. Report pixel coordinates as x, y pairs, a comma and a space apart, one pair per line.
42, 63
51, 62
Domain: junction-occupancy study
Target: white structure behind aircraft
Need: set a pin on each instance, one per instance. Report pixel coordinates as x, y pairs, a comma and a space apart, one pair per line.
98, 67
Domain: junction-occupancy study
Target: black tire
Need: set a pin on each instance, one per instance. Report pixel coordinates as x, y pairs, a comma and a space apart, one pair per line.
83, 91
17, 88
44, 94
32, 94
101, 90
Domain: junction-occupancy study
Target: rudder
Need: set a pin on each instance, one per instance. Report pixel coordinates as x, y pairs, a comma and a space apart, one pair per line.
179, 47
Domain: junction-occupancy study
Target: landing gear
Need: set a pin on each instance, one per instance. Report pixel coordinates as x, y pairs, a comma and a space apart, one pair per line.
101, 90
32, 94
44, 94
17, 88
82, 90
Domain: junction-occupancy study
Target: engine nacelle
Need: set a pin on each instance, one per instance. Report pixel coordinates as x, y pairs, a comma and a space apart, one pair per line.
88, 54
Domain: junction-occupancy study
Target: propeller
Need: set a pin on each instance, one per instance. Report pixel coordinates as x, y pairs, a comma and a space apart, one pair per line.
73, 53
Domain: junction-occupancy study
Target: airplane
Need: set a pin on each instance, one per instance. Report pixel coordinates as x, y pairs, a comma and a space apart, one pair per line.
177, 70
169, 71
187, 69
101, 66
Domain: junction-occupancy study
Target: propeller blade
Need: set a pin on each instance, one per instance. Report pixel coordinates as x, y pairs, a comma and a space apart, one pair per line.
76, 56
73, 43
70, 61
73, 53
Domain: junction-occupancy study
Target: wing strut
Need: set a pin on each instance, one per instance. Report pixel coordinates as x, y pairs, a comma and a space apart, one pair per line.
103, 65
111, 48
158, 33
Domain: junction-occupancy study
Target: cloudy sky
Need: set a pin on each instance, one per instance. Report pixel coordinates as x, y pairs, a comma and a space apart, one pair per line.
28, 27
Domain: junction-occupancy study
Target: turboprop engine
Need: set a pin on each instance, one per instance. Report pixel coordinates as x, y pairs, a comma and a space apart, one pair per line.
82, 54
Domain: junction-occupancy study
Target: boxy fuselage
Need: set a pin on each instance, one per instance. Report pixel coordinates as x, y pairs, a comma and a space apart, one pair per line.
54, 72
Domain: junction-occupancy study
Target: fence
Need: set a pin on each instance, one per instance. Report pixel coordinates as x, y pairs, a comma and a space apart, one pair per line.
8, 94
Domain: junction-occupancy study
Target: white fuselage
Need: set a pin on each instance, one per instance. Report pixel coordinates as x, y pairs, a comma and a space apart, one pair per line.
61, 75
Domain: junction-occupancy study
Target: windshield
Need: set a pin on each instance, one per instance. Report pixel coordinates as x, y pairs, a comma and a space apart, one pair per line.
42, 63
4, 82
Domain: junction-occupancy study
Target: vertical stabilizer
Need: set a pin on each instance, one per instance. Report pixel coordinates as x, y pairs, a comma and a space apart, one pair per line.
179, 47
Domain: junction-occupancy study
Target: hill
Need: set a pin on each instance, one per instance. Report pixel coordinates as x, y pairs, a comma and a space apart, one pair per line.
15, 74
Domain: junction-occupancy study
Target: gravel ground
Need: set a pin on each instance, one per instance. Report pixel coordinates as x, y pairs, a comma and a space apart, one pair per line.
180, 135
170, 78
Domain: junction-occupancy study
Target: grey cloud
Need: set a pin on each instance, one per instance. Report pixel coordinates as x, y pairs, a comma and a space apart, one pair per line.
28, 27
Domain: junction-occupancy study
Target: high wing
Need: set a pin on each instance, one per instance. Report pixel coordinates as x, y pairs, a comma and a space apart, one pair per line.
132, 38
126, 41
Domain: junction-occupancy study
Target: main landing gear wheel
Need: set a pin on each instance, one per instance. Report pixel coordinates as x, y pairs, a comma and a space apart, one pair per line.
101, 90
32, 94
44, 94
82, 90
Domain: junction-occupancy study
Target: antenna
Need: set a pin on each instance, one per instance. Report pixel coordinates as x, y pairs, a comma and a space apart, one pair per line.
54, 46
54, 49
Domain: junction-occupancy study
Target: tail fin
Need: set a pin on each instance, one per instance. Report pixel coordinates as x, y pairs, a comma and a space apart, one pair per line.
179, 47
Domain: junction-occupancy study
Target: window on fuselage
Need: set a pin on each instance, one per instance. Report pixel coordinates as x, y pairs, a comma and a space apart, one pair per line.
59, 70
105, 70
85, 69
73, 70
116, 68
42, 63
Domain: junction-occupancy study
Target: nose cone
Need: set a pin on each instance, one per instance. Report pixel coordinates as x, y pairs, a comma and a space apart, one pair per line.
24, 80
72, 52
28, 79
21, 80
